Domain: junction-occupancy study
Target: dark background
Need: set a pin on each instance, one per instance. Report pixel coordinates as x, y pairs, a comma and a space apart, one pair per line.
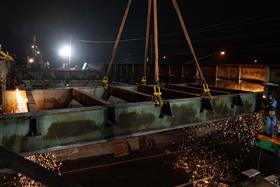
246, 29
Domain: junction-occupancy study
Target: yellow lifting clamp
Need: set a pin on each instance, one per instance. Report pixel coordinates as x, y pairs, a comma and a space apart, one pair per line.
6, 57
206, 91
157, 96
105, 83
143, 80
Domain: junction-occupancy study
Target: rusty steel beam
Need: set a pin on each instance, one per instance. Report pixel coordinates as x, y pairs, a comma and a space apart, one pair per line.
32, 107
166, 92
221, 89
129, 95
32, 170
87, 100
92, 124
195, 90
1, 98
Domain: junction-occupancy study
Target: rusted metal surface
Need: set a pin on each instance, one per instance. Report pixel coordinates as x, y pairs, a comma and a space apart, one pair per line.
253, 87
31, 102
47, 74
169, 72
129, 95
135, 143
46, 84
274, 74
229, 84
128, 73
10, 100
86, 99
3, 71
167, 93
195, 90
243, 72
245, 86
223, 89
209, 72
241, 77
228, 72
260, 73
56, 127
1, 99
88, 124
47, 99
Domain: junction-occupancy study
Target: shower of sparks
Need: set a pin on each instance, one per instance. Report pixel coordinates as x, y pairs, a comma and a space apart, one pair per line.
205, 161
21, 102
46, 160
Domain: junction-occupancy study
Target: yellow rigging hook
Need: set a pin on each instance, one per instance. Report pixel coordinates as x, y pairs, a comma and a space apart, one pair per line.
144, 80
157, 96
206, 91
6, 56
105, 83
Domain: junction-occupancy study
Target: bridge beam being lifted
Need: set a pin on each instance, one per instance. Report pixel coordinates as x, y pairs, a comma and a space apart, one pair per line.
134, 113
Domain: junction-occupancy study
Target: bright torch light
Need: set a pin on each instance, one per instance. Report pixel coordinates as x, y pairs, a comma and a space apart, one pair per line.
21, 102
65, 52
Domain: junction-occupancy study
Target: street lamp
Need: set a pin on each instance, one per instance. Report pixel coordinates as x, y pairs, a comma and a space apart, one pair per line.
220, 53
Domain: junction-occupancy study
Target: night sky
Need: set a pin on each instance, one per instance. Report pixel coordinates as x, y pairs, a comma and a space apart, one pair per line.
246, 29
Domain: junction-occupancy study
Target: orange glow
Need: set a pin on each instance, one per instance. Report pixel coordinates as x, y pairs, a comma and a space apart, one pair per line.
222, 53
31, 60
21, 102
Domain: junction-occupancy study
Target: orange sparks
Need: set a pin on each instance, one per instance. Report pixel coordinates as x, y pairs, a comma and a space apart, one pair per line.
21, 102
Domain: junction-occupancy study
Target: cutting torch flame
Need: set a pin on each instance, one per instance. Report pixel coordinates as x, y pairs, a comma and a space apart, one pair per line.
21, 102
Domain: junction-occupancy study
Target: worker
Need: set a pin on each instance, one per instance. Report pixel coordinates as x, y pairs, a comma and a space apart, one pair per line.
270, 120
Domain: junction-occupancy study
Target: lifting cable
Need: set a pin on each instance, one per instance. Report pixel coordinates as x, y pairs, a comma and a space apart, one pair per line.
157, 93
105, 81
206, 90
144, 78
